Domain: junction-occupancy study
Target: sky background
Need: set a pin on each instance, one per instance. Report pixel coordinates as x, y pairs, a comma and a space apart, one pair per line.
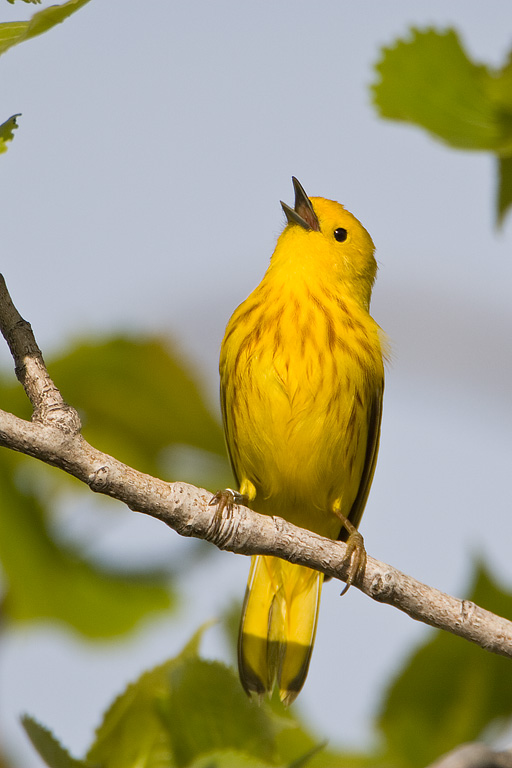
141, 194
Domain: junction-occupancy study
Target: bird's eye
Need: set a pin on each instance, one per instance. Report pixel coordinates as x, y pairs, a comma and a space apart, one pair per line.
340, 234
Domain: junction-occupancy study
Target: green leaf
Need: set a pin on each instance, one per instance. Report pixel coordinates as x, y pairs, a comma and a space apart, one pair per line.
132, 734
192, 713
7, 132
208, 711
229, 759
14, 32
504, 187
429, 80
45, 580
136, 399
213, 723
450, 691
48, 747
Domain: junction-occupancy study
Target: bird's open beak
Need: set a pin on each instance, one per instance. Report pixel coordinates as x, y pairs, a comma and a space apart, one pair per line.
303, 212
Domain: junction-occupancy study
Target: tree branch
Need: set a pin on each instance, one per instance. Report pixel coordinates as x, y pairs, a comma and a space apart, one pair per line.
53, 436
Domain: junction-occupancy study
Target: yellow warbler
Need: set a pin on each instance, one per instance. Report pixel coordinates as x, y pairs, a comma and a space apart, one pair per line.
302, 378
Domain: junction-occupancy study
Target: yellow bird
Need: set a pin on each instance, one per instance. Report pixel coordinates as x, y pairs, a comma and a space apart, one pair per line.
302, 379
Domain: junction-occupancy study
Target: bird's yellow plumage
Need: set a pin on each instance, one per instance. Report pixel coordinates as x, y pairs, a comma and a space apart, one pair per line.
301, 387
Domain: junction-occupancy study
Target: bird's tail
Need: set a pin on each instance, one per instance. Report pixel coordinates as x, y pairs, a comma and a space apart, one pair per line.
278, 626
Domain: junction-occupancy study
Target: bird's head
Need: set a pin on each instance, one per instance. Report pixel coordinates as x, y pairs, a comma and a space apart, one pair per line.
322, 236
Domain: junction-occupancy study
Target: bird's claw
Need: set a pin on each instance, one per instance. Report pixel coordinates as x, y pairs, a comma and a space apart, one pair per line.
356, 556
226, 500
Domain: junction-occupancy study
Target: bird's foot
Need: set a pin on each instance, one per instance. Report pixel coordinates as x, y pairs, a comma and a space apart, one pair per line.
356, 553
226, 500
356, 556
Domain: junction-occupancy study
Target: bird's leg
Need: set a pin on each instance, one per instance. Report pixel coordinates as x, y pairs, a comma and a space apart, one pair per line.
356, 553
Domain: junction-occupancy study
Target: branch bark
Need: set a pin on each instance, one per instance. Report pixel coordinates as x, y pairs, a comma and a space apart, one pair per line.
53, 436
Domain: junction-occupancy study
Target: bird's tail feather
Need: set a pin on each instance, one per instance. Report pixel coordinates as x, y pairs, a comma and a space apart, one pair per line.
278, 626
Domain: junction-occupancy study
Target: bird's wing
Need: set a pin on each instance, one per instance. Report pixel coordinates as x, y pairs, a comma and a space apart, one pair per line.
372, 449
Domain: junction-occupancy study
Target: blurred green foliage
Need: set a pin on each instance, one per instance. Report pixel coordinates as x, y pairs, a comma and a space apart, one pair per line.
190, 712
136, 399
45, 579
429, 80
450, 691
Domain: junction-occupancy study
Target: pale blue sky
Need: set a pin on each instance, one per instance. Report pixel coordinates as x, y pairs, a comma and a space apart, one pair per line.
142, 193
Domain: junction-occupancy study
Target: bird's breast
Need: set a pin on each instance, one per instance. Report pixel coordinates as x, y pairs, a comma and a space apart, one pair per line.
296, 377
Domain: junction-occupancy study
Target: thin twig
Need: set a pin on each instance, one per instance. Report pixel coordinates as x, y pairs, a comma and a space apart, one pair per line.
30, 369
53, 437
